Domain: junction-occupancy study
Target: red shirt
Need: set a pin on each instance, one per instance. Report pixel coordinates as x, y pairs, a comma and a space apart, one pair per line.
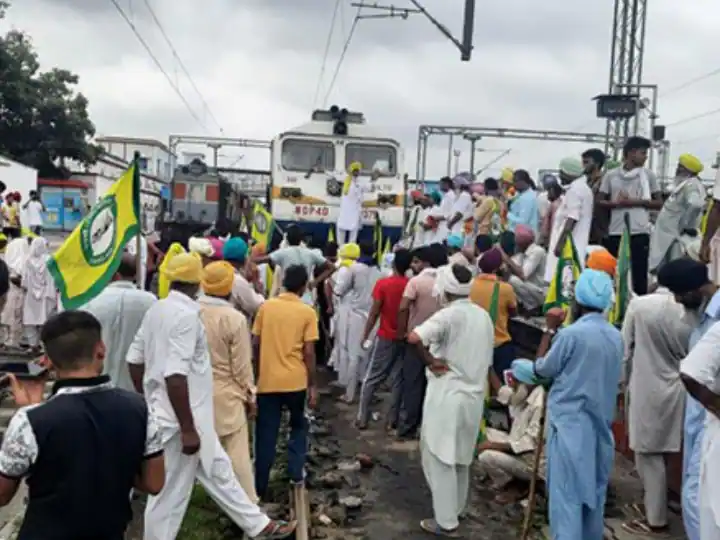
389, 292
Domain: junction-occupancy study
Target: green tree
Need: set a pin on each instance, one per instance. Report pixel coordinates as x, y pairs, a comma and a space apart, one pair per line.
43, 120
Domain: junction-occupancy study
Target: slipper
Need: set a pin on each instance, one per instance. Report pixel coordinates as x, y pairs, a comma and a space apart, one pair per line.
641, 527
277, 530
431, 526
637, 509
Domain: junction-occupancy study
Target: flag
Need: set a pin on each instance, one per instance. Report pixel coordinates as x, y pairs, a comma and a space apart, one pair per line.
623, 290
387, 249
262, 225
89, 257
378, 238
562, 287
704, 221
331, 235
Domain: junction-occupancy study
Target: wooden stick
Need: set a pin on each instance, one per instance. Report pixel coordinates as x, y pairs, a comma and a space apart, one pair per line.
301, 508
536, 467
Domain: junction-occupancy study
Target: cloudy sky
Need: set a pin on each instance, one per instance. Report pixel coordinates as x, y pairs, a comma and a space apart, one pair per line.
536, 65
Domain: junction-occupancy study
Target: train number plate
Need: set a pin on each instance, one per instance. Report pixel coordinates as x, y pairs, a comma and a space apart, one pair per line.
311, 210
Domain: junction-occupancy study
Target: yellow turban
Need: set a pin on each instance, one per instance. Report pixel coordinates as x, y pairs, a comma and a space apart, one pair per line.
691, 163
185, 268
355, 166
217, 278
507, 175
348, 253
163, 281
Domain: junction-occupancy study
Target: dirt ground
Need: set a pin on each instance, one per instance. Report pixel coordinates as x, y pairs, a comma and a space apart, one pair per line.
393, 492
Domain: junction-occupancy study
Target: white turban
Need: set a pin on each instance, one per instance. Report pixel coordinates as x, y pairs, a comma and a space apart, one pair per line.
572, 167
447, 283
201, 246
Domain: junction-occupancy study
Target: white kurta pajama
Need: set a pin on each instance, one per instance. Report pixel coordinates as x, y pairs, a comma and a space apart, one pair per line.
656, 336
703, 365
350, 218
354, 288
172, 341
16, 254
460, 334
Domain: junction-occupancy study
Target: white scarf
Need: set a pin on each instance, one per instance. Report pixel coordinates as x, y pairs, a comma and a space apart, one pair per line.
447, 283
38, 281
640, 172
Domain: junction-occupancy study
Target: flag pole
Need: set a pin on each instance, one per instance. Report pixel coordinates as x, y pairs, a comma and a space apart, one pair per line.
138, 238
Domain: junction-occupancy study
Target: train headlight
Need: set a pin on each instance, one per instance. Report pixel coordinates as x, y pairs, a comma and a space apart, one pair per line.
387, 199
333, 187
290, 193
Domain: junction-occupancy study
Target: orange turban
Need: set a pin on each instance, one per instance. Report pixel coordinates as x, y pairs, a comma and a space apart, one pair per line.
258, 250
603, 261
218, 278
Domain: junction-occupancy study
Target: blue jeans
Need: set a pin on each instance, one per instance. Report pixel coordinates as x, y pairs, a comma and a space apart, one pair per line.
267, 426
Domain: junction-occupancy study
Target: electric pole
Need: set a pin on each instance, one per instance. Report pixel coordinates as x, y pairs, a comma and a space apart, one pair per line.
465, 46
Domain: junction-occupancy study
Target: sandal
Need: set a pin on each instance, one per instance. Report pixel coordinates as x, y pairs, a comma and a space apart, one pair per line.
431, 526
642, 528
277, 530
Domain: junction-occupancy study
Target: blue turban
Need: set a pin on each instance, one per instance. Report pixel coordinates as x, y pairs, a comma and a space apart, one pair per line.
235, 249
436, 197
594, 289
455, 241
523, 371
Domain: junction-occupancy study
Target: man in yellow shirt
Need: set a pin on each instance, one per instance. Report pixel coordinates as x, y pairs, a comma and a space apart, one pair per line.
286, 329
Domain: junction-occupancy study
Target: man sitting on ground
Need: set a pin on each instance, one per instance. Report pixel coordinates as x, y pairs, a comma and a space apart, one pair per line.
527, 269
507, 457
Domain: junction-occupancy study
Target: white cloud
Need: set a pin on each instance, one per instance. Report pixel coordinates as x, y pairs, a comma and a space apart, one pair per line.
536, 65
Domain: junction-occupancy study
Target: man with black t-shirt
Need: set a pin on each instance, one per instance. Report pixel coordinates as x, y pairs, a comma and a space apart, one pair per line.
83, 449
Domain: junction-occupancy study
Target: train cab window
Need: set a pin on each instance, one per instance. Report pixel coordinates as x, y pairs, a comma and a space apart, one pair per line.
303, 155
377, 156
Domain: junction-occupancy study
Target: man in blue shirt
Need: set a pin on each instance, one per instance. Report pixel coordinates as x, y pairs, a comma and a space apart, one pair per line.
584, 365
689, 281
524, 207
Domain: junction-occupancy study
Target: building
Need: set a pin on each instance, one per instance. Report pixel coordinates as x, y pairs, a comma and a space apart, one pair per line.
18, 177
156, 160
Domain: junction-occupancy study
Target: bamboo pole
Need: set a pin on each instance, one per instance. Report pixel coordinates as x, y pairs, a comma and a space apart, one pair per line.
534, 478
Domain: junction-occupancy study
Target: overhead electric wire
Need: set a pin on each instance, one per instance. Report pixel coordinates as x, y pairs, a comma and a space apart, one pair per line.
175, 54
328, 43
158, 64
342, 54
691, 82
698, 116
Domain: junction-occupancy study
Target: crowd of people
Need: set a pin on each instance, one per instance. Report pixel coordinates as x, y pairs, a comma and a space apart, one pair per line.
156, 391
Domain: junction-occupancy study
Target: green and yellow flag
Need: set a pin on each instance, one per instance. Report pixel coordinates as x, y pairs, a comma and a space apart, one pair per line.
331, 234
706, 214
89, 257
262, 225
562, 287
623, 289
378, 238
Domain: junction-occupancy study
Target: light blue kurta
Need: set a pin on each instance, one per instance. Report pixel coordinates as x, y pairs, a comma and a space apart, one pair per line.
694, 428
120, 308
584, 363
524, 211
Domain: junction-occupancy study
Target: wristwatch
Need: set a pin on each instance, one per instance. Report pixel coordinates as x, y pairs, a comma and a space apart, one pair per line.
549, 331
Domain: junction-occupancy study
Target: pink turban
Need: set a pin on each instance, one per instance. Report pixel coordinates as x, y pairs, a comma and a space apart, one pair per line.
524, 234
217, 245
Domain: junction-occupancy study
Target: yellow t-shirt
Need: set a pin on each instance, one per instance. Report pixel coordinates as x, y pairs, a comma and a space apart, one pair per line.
481, 293
284, 324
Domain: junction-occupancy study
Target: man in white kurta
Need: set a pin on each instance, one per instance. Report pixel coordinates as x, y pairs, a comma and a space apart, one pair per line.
349, 219
656, 335
700, 372
170, 356
120, 308
132, 250
460, 341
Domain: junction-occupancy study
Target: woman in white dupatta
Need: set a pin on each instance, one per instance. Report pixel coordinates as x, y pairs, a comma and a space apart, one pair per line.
40, 293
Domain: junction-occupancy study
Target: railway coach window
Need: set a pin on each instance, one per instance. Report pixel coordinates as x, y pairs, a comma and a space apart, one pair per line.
303, 156
381, 157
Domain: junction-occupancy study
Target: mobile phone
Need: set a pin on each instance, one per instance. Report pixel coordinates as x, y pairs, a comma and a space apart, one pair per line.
23, 371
